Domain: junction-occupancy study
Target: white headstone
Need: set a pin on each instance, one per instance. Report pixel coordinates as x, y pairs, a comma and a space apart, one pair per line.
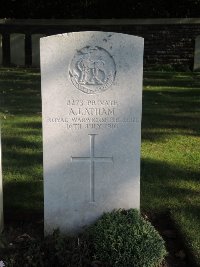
1, 51
1, 189
36, 49
91, 97
17, 49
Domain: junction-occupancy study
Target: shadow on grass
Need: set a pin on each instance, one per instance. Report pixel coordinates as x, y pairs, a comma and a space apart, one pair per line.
17, 159
167, 188
172, 79
28, 125
166, 111
23, 200
187, 220
164, 186
174, 107
22, 150
21, 142
20, 92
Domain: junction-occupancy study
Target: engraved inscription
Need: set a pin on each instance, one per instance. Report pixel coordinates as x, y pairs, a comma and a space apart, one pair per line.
94, 114
92, 159
92, 70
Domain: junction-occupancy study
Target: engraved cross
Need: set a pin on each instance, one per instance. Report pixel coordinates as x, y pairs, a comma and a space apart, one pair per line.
92, 159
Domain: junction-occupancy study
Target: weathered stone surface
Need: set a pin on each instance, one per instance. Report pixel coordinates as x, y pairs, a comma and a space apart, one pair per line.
36, 49
91, 97
17, 49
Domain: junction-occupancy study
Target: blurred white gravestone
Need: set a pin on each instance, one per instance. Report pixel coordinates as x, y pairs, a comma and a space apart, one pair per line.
17, 49
1, 51
197, 54
92, 103
1, 189
35, 38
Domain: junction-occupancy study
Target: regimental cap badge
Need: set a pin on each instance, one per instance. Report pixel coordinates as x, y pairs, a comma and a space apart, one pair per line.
92, 70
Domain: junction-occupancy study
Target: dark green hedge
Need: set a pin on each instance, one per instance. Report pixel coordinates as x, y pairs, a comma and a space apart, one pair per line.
123, 238
98, 9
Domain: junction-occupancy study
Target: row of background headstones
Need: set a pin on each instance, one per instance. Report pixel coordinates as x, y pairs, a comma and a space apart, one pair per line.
17, 49
197, 54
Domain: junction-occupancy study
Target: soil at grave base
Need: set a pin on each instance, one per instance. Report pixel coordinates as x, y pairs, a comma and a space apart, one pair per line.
177, 254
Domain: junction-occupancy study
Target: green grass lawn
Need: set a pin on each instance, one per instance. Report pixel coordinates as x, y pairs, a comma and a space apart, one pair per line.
22, 141
170, 167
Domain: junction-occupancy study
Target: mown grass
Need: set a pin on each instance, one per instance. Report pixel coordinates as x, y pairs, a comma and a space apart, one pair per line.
171, 151
22, 140
170, 163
